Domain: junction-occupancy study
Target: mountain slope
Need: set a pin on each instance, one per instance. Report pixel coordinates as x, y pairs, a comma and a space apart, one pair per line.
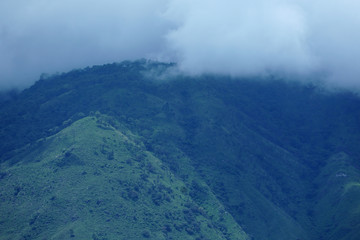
337, 205
93, 181
257, 155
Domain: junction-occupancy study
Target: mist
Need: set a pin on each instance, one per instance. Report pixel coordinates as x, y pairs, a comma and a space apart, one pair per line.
240, 38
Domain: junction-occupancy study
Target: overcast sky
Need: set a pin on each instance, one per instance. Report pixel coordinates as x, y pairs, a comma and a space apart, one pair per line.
237, 37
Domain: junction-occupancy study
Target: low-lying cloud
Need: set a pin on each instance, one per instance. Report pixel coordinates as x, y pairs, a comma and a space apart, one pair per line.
236, 37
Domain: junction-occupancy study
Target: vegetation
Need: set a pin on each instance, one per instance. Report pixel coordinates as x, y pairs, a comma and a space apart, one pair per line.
132, 151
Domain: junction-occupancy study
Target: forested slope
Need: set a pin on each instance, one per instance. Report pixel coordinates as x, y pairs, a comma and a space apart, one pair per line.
274, 158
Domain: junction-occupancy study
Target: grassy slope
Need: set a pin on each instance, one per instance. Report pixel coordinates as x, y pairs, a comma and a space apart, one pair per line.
337, 205
94, 181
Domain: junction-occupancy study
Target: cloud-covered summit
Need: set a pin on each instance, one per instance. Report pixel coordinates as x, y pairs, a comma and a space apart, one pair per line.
237, 37
241, 37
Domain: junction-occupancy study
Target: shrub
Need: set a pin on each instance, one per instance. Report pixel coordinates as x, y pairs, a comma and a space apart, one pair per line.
146, 234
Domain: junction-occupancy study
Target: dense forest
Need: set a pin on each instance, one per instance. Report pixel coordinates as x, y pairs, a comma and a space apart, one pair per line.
135, 150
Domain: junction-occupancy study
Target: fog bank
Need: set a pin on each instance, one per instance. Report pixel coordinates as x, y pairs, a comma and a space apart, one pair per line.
239, 38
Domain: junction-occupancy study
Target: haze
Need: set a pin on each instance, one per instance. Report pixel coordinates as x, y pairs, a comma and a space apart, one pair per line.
237, 37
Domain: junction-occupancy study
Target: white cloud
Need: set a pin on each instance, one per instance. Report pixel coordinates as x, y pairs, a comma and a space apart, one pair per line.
49, 36
334, 37
238, 37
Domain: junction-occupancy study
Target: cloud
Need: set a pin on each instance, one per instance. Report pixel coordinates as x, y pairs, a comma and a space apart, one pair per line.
237, 37
48, 36
334, 38
244, 37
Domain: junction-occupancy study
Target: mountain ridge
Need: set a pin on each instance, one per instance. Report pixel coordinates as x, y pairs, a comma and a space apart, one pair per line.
266, 152
65, 191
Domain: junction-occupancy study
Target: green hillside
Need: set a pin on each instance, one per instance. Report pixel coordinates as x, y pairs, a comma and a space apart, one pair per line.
96, 181
132, 151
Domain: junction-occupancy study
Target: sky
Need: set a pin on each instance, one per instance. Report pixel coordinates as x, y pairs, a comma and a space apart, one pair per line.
236, 37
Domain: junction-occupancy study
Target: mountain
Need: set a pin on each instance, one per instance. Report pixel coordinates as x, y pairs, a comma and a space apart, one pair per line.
132, 150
